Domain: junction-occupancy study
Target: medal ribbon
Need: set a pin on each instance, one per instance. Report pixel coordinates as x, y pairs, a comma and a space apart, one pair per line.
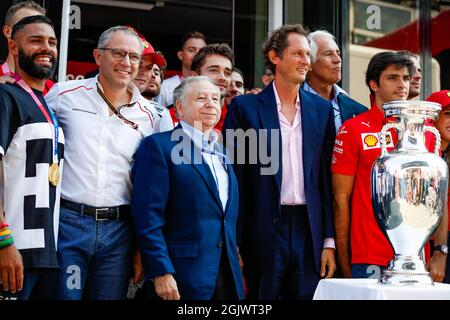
51, 119
6, 70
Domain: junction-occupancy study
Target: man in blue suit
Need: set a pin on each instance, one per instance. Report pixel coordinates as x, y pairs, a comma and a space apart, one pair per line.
286, 225
185, 203
324, 75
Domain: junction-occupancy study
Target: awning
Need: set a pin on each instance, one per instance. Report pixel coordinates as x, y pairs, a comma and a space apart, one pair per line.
407, 38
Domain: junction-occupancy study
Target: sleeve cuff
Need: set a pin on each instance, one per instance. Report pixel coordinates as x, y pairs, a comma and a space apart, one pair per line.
329, 243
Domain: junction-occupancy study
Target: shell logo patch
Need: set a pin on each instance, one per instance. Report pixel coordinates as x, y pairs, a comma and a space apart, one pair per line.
370, 141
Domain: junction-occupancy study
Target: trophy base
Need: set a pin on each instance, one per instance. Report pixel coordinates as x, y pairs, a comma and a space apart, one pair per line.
406, 271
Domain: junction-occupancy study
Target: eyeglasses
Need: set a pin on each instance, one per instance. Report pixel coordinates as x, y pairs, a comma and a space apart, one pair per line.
120, 54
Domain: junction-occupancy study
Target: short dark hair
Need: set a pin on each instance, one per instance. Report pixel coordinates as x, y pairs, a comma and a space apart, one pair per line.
22, 5
162, 69
192, 35
381, 61
29, 20
237, 70
277, 41
221, 49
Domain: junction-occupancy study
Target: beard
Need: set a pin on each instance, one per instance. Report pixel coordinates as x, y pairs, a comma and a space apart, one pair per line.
150, 93
26, 63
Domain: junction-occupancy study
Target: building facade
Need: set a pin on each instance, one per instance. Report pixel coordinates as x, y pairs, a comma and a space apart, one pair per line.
362, 28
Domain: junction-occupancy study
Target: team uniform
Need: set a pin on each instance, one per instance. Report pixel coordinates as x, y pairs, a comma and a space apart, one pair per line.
356, 148
96, 234
30, 201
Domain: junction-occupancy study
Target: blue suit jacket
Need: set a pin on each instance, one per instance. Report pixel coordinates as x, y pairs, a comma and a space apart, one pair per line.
260, 194
349, 108
178, 216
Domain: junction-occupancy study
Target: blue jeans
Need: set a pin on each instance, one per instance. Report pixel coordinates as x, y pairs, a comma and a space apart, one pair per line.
367, 271
38, 284
95, 257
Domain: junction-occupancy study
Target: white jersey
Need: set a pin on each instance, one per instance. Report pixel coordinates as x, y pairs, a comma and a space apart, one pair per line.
30, 202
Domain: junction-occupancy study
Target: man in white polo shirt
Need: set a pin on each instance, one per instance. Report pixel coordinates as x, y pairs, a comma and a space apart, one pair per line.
105, 118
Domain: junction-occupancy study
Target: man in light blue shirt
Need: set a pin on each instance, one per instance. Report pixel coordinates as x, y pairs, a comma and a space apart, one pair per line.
185, 203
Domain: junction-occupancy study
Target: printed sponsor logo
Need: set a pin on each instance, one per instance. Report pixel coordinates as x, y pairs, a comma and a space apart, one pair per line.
338, 150
370, 141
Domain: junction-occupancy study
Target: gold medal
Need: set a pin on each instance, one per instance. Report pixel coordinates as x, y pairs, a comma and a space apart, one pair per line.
53, 174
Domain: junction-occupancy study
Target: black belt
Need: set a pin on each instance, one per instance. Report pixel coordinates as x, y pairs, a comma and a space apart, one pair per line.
100, 214
293, 210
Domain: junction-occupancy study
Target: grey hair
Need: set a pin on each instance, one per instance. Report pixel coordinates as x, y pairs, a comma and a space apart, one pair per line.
106, 35
312, 38
179, 93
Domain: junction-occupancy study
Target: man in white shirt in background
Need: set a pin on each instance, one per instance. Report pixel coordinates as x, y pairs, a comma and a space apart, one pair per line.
191, 43
105, 119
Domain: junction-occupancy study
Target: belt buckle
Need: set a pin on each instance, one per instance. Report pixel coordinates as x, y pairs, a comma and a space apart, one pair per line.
99, 211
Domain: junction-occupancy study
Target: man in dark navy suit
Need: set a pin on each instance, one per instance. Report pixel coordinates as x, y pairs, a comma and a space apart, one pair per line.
286, 225
324, 75
185, 203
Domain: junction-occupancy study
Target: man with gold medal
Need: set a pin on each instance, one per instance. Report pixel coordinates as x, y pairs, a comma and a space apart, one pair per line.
31, 161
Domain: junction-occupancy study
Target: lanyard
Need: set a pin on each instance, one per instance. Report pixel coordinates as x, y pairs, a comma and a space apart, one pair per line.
51, 119
132, 124
6, 70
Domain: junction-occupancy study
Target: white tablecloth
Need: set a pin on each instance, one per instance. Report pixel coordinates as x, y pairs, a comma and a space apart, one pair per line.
370, 289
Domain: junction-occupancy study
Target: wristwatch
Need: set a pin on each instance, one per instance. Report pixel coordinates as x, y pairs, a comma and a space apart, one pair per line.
443, 248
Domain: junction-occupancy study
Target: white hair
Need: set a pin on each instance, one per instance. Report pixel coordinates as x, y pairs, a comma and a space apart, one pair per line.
312, 38
180, 92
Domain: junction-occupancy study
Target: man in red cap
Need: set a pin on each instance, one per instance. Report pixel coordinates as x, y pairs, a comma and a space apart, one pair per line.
443, 125
149, 77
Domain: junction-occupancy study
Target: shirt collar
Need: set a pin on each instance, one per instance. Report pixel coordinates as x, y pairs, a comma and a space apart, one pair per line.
278, 101
376, 113
199, 138
336, 90
135, 94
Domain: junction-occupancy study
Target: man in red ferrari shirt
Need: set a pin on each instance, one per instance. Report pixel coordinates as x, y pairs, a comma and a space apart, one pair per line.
216, 61
14, 14
362, 249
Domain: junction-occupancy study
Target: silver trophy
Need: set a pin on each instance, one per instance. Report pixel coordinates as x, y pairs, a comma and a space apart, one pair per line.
409, 190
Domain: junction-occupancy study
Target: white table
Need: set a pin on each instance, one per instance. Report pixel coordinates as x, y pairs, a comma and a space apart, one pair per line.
370, 289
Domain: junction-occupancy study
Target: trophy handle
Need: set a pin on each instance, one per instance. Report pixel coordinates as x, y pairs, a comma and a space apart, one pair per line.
386, 127
437, 135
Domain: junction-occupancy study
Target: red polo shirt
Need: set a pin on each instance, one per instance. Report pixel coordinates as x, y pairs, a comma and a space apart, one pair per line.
356, 148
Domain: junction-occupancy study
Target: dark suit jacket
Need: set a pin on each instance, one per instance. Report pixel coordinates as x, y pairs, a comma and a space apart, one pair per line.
179, 220
349, 108
260, 194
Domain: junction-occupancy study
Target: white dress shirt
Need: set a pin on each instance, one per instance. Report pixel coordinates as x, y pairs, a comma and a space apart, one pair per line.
99, 148
211, 157
292, 181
